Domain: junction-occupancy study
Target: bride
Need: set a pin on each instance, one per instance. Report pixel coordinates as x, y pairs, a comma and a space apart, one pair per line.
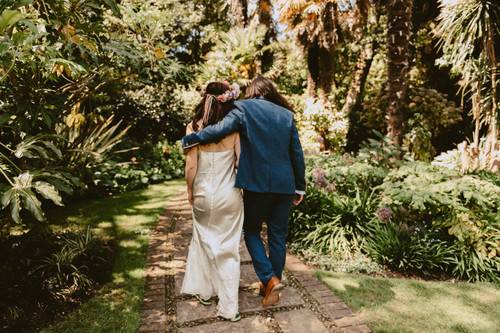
213, 263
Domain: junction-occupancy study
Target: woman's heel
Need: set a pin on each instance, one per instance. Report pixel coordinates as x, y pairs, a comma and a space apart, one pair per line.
237, 317
202, 301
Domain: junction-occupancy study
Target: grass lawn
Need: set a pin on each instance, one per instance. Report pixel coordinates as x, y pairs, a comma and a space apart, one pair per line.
404, 305
127, 219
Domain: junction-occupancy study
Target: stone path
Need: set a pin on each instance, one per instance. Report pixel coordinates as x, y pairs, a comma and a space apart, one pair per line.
306, 306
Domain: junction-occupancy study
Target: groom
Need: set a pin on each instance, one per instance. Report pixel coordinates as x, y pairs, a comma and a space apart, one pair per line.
271, 173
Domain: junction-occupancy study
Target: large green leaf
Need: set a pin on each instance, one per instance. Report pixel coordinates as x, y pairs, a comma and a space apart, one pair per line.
38, 147
111, 4
48, 191
21, 192
9, 18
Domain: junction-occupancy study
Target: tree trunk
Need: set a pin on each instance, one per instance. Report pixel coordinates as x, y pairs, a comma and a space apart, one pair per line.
312, 70
399, 15
239, 13
493, 68
353, 99
326, 72
264, 10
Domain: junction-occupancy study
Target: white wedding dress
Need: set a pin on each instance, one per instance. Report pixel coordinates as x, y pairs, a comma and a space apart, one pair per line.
213, 263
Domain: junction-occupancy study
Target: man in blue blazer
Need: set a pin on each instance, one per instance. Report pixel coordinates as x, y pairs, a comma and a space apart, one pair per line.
271, 172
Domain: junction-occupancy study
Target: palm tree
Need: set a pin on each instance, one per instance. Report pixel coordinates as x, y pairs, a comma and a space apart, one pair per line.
265, 14
366, 17
238, 12
317, 28
467, 31
399, 20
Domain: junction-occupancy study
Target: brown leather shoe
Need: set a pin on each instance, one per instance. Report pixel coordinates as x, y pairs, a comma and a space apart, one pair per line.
272, 294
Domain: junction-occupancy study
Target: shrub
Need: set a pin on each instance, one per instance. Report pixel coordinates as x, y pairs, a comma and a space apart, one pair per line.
149, 164
44, 274
409, 250
464, 207
414, 218
339, 207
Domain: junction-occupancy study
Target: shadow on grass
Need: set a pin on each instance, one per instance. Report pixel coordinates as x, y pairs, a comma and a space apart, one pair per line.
359, 293
405, 305
126, 220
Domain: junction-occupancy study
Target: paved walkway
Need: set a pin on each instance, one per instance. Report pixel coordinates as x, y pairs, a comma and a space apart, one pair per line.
306, 306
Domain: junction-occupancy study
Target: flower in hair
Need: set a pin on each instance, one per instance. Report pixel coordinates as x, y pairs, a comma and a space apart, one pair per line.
231, 94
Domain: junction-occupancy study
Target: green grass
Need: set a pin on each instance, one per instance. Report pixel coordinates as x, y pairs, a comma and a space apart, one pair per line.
404, 305
127, 219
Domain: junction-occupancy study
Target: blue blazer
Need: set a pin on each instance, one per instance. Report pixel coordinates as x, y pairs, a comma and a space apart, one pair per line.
272, 160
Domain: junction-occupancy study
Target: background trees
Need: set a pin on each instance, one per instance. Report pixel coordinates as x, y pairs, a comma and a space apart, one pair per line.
94, 95
467, 31
399, 19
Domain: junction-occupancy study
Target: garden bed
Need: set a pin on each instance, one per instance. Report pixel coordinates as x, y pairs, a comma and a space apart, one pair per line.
120, 226
43, 277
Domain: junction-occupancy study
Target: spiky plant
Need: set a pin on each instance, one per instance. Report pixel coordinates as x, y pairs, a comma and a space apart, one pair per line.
467, 32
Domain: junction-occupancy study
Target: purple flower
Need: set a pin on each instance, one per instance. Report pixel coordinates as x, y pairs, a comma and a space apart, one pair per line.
320, 180
319, 177
384, 214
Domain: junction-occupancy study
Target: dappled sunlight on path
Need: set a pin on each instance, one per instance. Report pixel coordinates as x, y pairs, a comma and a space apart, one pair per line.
306, 305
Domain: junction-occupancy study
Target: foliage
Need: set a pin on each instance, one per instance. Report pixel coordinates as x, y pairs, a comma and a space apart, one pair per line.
409, 216
430, 115
63, 272
383, 152
463, 206
48, 180
467, 32
150, 165
126, 220
355, 263
44, 274
413, 251
330, 125
234, 57
347, 203
469, 157
288, 71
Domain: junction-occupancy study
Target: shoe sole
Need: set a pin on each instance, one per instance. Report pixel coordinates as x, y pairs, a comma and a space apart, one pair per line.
274, 296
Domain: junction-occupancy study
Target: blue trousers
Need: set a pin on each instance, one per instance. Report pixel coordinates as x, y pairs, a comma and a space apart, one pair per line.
274, 209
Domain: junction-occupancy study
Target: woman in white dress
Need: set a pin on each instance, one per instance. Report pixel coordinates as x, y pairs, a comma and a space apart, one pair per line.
213, 263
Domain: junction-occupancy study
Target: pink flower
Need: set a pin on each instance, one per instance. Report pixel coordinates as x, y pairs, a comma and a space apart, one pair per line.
384, 214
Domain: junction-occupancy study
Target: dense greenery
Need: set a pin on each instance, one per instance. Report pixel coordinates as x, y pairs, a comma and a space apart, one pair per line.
412, 217
396, 104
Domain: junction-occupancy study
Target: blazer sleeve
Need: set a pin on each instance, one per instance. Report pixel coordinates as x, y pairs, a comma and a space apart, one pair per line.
298, 163
231, 123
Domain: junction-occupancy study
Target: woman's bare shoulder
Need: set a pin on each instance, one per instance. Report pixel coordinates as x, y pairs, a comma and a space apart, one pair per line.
189, 128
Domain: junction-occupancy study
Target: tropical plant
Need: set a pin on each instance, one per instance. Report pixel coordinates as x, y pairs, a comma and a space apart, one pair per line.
466, 207
62, 273
317, 28
235, 56
24, 185
264, 12
467, 33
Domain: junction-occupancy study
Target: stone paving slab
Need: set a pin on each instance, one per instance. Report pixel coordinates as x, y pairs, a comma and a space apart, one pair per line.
300, 321
246, 325
190, 310
306, 306
248, 278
